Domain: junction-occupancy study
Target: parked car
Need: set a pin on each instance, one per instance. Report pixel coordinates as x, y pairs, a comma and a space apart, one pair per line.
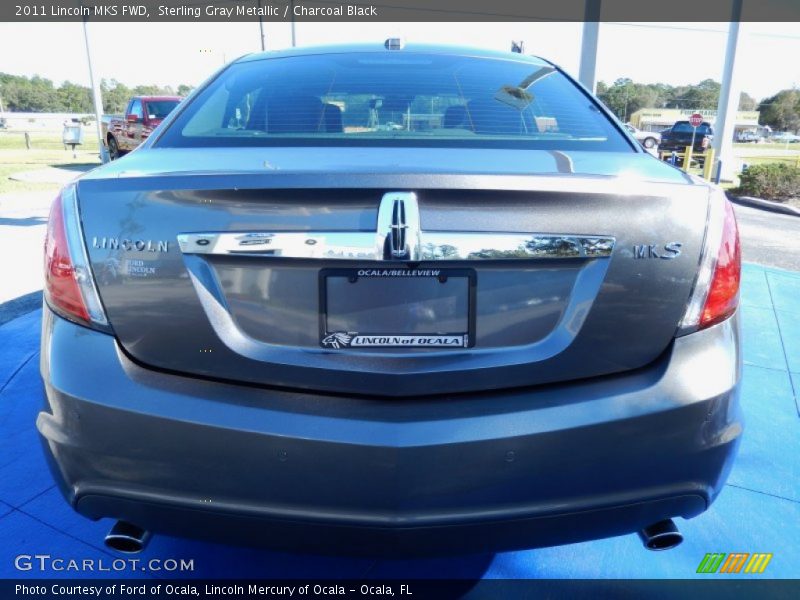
648, 139
510, 327
784, 137
679, 137
123, 133
744, 137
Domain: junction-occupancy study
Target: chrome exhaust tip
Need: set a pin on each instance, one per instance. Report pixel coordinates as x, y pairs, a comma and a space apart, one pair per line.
663, 535
127, 538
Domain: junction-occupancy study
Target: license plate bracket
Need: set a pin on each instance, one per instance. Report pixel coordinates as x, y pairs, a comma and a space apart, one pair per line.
397, 307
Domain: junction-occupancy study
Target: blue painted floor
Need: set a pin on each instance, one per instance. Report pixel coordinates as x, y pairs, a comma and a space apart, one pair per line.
759, 510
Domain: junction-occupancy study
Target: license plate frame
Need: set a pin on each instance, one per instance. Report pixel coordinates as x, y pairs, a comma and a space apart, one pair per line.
348, 340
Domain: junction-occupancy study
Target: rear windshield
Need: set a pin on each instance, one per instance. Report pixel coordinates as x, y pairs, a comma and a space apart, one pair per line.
159, 109
372, 99
685, 127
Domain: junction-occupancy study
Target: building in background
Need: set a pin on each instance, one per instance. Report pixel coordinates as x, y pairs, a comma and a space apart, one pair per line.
656, 119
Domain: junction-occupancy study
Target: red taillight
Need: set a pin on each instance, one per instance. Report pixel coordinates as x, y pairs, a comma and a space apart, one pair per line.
723, 293
61, 284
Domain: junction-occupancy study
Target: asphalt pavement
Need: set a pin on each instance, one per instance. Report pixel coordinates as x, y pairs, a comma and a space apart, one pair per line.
769, 238
23, 223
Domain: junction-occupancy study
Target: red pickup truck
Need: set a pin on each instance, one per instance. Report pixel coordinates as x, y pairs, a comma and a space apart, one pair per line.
123, 133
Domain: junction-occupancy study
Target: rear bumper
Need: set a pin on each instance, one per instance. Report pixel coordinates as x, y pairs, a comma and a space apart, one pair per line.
667, 146
474, 473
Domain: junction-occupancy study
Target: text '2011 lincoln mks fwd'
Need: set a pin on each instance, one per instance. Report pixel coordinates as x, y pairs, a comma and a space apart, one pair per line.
391, 301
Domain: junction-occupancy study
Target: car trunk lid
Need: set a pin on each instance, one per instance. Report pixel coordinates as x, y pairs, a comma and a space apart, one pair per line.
567, 273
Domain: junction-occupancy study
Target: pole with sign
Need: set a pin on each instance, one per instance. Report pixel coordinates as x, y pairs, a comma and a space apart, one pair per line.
695, 120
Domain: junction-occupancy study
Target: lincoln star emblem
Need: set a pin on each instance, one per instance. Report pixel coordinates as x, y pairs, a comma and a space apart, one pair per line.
399, 226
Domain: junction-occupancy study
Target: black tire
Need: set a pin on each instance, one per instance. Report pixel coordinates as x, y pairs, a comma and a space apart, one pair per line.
649, 142
113, 148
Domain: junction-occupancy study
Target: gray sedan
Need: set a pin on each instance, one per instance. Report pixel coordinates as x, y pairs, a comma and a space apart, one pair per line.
391, 300
648, 139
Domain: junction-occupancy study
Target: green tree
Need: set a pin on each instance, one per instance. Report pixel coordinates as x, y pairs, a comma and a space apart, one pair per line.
74, 98
624, 97
115, 96
23, 94
781, 111
153, 90
696, 97
37, 94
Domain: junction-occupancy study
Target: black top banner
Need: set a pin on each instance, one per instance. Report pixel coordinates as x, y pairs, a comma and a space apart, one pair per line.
400, 10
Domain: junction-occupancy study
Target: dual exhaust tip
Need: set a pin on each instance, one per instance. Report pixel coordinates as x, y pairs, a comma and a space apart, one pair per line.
130, 539
663, 535
127, 538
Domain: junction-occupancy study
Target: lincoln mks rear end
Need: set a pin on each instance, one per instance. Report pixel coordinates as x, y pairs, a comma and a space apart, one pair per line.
391, 301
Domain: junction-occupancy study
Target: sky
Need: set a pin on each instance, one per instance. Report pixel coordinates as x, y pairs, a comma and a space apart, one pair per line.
174, 53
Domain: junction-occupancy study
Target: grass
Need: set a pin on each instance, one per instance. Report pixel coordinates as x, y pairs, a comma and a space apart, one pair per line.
760, 160
19, 161
795, 147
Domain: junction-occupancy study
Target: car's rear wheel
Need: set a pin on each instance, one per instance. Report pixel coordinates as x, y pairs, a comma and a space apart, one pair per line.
113, 148
649, 142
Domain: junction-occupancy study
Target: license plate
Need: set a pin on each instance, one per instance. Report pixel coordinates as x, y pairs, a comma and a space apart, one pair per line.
397, 308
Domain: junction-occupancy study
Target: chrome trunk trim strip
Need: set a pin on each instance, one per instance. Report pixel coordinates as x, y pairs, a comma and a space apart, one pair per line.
432, 245
399, 237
